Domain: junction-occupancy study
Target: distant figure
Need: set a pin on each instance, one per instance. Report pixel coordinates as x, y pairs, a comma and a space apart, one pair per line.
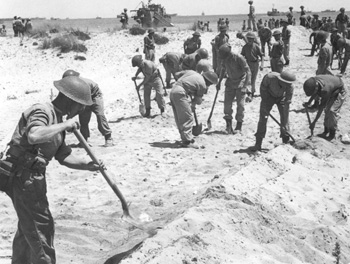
335, 36
124, 19
227, 22
14, 26
243, 26
277, 23
343, 43
149, 45
302, 17
3, 31
342, 21
315, 22
314, 40
286, 34
219, 40
290, 16
193, 43
324, 56
28, 27
276, 54
251, 16
265, 35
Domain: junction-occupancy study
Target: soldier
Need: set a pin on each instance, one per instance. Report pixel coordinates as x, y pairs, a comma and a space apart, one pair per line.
315, 43
149, 45
290, 16
342, 21
276, 61
276, 88
242, 36
172, 64
97, 108
252, 52
190, 61
265, 35
219, 40
335, 36
124, 18
324, 56
237, 86
332, 92
151, 80
189, 85
315, 23
39, 137
192, 44
286, 34
344, 44
251, 16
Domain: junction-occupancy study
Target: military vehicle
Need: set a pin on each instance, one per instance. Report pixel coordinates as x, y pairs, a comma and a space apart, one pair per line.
152, 15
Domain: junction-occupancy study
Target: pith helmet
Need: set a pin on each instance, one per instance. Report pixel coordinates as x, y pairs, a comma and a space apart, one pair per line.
276, 32
150, 31
250, 35
136, 60
211, 76
70, 73
203, 53
224, 50
75, 88
196, 33
310, 86
287, 77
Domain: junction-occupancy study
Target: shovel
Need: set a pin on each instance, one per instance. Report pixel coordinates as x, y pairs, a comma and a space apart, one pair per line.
197, 129
126, 214
161, 78
211, 112
274, 119
142, 108
309, 120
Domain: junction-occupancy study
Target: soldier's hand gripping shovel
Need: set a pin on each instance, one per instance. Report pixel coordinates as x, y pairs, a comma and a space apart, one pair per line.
126, 214
274, 119
197, 129
161, 78
142, 108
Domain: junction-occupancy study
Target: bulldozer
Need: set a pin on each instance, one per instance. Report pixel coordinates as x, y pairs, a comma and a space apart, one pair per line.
152, 15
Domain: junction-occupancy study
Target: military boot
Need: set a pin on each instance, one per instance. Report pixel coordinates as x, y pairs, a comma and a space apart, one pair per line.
148, 112
331, 134
238, 128
229, 129
324, 134
257, 146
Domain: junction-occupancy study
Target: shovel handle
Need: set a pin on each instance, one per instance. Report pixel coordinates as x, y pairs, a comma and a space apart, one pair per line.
274, 119
212, 108
103, 171
309, 120
138, 93
161, 78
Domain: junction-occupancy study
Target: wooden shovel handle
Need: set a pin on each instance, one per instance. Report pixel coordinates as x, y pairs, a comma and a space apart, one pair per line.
138, 93
103, 171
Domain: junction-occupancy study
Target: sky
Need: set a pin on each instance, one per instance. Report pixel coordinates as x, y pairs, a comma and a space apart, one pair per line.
111, 8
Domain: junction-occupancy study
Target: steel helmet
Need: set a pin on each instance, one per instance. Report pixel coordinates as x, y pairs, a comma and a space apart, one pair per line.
136, 60
302, 7
250, 2
150, 31
224, 50
250, 35
341, 42
211, 76
276, 32
239, 35
287, 77
223, 28
322, 36
203, 53
70, 73
342, 9
196, 33
75, 88
291, 8
310, 86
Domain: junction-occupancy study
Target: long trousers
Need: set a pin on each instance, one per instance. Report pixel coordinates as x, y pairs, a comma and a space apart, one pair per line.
263, 43
332, 110
102, 124
33, 241
158, 87
181, 105
345, 63
231, 92
286, 51
254, 68
267, 102
150, 54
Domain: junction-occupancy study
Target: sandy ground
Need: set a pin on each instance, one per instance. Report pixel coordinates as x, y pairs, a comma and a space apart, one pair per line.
219, 204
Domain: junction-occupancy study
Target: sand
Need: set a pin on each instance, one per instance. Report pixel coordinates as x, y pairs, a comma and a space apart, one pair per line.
219, 204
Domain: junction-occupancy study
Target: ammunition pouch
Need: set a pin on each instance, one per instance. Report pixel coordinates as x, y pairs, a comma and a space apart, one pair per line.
32, 162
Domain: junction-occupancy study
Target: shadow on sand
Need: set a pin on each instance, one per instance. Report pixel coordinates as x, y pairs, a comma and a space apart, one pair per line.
165, 144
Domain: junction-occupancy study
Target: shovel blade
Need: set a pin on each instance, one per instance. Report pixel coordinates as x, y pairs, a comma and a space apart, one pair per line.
196, 130
142, 109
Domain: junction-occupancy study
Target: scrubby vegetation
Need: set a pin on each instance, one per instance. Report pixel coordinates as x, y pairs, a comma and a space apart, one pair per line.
137, 30
160, 39
65, 43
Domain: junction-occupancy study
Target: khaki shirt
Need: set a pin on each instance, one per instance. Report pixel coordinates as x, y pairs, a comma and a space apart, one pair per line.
270, 83
325, 55
39, 115
277, 49
95, 90
251, 52
286, 33
193, 83
330, 86
237, 70
192, 44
